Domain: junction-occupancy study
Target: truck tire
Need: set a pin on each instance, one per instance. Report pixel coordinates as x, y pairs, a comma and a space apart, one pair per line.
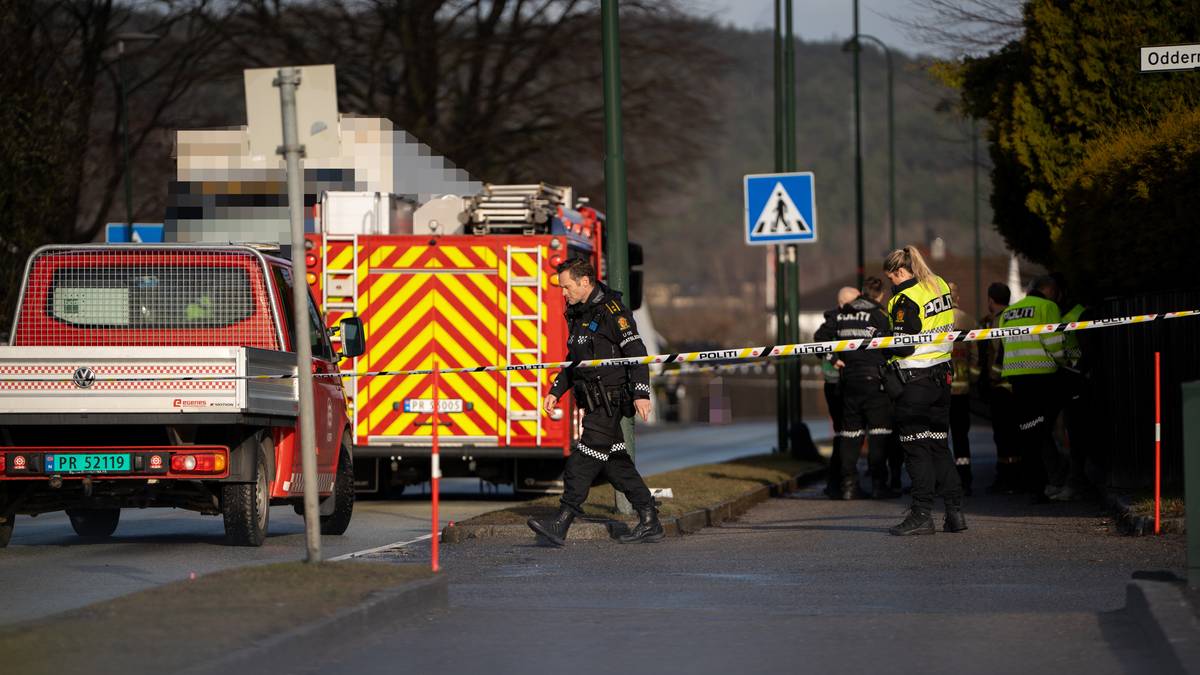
343, 496
94, 523
246, 507
6, 530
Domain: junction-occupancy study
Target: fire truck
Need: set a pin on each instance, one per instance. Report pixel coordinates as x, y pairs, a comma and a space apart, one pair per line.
457, 281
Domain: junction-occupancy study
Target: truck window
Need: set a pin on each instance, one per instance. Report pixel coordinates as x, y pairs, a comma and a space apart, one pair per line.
150, 296
317, 332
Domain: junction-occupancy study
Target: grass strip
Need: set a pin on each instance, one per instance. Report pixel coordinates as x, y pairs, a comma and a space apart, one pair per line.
171, 627
697, 487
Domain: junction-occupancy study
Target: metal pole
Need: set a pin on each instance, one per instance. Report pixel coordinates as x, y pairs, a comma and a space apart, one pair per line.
1191, 478
796, 395
616, 239
781, 380
858, 169
975, 207
287, 81
435, 469
125, 135
891, 108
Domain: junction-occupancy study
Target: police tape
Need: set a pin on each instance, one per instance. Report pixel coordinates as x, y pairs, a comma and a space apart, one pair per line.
709, 356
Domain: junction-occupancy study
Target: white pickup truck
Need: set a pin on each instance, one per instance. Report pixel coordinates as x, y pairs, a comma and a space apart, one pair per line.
142, 376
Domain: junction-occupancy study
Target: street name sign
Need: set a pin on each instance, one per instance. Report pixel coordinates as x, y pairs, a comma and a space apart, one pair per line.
781, 208
1170, 57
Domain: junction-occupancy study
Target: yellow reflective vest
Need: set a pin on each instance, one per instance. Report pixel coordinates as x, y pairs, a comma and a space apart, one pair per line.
1031, 354
937, 316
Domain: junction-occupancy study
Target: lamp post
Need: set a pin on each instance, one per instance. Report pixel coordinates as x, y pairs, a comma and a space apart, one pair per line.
853, 45
121, 39
858, 170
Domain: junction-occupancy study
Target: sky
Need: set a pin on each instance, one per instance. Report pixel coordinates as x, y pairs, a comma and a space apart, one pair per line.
823, 19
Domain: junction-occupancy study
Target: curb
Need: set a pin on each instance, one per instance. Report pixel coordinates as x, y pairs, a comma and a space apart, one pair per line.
688, 523
1119, 504
308, 643
1168, 620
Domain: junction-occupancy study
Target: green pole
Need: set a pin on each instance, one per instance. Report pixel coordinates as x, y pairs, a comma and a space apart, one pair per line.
891, 109
975, 208
616, 240
781, 380
1191, 478
858, 168
796, 396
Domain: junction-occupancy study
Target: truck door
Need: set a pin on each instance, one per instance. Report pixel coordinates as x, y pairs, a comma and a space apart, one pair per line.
329, 403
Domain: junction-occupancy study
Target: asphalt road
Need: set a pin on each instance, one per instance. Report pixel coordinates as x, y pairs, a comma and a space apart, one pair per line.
47, 569
798, 584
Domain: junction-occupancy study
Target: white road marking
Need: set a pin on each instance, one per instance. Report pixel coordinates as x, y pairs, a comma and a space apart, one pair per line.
377, 549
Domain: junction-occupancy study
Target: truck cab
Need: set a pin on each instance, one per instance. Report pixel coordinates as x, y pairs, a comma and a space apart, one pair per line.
164, 376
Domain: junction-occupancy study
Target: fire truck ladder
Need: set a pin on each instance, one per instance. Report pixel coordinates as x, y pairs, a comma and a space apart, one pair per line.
340, 277
516, 209
514, 281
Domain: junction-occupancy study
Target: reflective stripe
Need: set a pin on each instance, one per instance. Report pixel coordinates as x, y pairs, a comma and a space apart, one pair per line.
879, 431
852, 434
1031, 423
922, 435
963, 461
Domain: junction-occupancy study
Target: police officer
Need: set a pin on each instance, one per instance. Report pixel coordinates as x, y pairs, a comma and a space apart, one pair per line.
997, 391
833, 390
961, 357
866, 410
600, 328
1031, 363
918, 380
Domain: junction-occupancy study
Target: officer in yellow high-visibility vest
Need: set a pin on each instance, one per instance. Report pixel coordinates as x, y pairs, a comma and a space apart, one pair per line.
1030, 364
918, 380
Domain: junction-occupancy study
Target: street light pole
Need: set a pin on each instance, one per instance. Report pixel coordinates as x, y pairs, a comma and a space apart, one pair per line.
781, 289
891, 108
615, 233
975, 208
858, 168
121, 39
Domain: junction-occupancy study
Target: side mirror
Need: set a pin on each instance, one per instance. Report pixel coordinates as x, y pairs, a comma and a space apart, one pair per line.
354, 339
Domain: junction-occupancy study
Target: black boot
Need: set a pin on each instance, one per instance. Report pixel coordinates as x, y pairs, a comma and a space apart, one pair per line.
648, 528
955, 520
850, 489
554, 530
919, 521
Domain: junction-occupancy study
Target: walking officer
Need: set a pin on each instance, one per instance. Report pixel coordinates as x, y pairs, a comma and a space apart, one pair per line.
866, 410
600, 327
918, 381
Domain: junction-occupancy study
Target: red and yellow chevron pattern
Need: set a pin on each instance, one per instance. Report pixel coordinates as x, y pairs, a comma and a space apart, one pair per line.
449, 301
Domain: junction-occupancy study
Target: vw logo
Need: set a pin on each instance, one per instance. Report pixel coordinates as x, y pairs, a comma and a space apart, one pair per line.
84, 377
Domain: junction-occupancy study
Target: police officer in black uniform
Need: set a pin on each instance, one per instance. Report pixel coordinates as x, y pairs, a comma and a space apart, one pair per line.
600, 328
866, 409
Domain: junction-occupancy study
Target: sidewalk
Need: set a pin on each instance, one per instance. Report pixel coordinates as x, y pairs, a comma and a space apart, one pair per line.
801, 583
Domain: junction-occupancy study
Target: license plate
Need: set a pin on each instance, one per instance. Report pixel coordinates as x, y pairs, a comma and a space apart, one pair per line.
425, 405
87, 463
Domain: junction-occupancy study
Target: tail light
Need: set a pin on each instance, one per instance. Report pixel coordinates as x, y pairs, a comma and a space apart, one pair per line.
3, 461
198, 463
310, 260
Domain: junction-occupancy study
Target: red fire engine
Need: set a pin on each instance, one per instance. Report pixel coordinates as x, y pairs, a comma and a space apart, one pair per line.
469, 281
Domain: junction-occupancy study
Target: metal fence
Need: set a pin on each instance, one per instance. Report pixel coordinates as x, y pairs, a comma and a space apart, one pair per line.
1122, 387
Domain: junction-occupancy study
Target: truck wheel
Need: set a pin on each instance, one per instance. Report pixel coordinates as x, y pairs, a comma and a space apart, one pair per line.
6, 529
94, 523
246, 506
343, 497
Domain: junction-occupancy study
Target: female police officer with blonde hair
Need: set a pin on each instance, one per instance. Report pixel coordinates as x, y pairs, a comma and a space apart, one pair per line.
918, 380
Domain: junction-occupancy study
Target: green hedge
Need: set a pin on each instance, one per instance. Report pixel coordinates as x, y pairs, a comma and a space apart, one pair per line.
1131, 210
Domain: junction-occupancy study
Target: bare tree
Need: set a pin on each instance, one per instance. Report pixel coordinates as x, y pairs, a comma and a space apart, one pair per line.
964, 27
62, 162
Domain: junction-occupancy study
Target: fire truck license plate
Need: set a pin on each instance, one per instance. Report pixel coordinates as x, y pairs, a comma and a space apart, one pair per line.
87, 463
425, 405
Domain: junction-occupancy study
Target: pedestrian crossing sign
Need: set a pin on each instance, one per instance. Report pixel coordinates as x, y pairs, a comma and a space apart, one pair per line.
781, 208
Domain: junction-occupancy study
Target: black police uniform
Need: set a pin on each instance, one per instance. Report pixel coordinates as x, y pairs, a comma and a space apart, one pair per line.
922, 412
827, 332
602, 328
866, 409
